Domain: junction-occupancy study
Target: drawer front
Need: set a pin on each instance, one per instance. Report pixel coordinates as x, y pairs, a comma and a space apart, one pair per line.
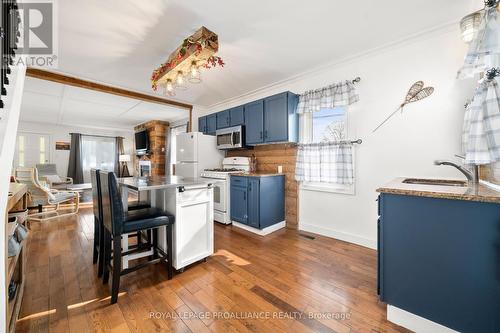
239, 181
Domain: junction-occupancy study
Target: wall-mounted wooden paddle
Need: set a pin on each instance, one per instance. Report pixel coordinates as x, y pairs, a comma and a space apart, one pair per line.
416, 93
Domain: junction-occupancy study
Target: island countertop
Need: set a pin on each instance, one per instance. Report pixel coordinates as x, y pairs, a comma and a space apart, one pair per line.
161, 182
478, 192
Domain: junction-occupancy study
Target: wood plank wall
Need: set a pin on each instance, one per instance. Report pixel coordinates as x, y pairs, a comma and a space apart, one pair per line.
269, 157
491, 173
157, 131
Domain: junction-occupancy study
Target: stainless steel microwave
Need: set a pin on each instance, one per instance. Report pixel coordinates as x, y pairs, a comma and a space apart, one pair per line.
231, 137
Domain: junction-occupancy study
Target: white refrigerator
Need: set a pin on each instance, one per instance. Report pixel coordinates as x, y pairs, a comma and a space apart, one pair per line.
196, 152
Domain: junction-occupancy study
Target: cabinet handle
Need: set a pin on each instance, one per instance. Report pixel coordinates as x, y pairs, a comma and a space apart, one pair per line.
261, 135
249, 187
265, 134
244, 195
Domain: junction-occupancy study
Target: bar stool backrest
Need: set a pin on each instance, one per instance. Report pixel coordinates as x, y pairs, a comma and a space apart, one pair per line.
96, 193
112, 208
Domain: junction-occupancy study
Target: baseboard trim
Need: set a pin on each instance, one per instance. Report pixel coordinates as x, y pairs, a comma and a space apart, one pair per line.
261, 232
366, 242
413, 322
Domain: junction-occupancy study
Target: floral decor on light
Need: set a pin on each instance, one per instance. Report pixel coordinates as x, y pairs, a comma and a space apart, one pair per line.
196, 52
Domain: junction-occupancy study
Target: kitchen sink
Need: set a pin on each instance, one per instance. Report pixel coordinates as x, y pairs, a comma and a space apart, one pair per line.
436, 182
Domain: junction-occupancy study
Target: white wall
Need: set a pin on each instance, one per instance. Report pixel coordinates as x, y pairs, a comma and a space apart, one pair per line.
9, 117
61, 133
406, 146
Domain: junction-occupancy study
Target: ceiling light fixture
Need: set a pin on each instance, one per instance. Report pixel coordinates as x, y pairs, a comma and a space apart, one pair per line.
180, 83
196, 52
469, 25
169, 88
194, 73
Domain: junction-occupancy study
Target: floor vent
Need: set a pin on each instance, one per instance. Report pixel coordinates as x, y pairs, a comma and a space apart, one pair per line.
307, 236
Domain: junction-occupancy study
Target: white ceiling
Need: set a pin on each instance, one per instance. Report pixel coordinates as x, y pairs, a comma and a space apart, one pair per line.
55, 103
120, 42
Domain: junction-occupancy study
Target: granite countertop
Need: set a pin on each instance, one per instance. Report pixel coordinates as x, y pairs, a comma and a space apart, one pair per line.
477, 192
258, 174
159, 182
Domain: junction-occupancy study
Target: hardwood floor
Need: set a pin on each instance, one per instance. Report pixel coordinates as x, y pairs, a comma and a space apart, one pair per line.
284, 282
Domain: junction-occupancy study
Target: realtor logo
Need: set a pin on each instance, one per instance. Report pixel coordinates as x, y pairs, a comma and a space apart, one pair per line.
37, 43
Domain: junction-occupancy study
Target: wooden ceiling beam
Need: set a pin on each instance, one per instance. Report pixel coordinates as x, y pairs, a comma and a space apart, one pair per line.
76, 82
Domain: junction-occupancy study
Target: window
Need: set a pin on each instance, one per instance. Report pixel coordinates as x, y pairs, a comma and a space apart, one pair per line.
42, 150
328, 124
31, 149
97, 152
20, 151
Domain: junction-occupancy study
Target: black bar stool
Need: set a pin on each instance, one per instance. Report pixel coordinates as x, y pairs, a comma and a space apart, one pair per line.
117, 222
98, 255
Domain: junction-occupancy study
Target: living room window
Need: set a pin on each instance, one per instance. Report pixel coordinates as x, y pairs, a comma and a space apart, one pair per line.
97, 152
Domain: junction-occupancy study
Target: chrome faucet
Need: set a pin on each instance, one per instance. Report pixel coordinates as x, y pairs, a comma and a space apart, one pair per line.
472, 177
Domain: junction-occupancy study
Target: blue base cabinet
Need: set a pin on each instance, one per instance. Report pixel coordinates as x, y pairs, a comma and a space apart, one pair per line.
440, 259
258, 202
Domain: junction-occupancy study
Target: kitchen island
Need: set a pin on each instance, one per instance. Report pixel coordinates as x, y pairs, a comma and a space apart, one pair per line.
439, 255
190, 200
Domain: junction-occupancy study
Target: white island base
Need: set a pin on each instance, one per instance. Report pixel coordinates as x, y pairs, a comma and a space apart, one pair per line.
193, 236
191, 201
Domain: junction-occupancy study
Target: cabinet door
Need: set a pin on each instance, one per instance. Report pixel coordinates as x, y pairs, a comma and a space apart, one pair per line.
211, 124
223, 119
253, 202
194, 232
276, 118
254, 122
202, 124
378, 257
239, 204
236, 116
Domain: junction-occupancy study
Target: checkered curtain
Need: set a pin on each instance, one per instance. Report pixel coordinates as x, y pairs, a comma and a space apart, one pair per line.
484, 49
339, 94
330, 162
481, 131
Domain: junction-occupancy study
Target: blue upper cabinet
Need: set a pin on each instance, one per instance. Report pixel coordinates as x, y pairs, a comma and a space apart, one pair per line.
254, 122
237, 116
223, 119
269, 120
272, 119
202, 124
276, 118
211, 124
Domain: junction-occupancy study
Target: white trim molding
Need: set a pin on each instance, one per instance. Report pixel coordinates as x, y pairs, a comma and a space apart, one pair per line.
343, 236
447, 27
415, 323
261, 232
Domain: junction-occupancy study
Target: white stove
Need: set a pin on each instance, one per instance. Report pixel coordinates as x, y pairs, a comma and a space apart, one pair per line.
230, 165
220, 173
